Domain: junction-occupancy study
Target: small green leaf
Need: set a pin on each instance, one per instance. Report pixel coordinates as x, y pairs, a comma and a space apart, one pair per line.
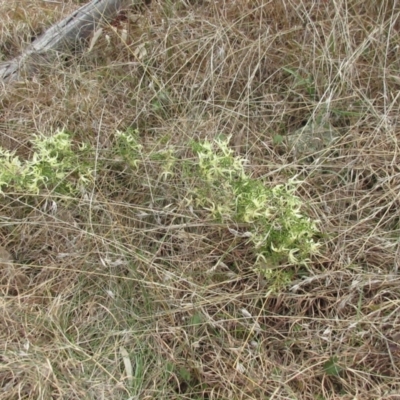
169, 367
196, 319
185, 374
278, 139
331, 367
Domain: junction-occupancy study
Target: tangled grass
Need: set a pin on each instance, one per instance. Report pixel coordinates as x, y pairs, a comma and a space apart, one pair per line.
130, 288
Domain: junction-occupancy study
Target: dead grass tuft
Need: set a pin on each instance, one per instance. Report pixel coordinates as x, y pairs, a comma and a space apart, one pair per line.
126, 292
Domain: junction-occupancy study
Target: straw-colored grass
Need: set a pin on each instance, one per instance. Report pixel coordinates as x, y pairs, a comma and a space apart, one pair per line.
128, 290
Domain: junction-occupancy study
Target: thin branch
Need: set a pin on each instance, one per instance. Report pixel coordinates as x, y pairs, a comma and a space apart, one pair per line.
62, 36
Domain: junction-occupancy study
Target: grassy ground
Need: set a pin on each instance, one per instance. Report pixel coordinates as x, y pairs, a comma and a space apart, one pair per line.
128, 290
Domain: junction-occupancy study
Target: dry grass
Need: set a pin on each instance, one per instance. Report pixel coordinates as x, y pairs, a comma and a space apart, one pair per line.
129, 277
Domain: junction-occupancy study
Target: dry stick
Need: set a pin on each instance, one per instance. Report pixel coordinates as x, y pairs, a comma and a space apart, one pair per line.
64, 35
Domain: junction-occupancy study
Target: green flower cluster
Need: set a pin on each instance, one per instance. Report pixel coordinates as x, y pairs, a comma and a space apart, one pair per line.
273, 216
54, 165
